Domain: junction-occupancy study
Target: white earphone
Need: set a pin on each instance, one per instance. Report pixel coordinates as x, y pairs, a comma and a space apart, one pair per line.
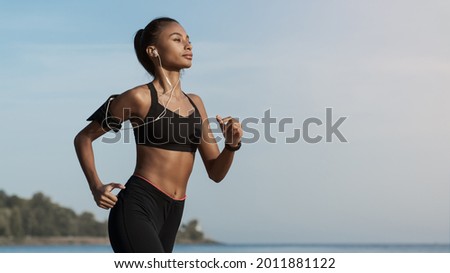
155, 52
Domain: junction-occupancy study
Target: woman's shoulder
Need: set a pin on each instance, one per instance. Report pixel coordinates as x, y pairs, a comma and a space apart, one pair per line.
138, 92
136, 96
196, 99
137, 99
198, 103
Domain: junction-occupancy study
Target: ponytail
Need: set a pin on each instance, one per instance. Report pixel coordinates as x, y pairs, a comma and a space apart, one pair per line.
141, 53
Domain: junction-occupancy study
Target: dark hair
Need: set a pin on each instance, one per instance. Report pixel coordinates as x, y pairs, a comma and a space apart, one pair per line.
149, 36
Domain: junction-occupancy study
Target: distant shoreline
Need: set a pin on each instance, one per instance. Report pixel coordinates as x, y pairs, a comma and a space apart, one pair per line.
79, 240
55, 240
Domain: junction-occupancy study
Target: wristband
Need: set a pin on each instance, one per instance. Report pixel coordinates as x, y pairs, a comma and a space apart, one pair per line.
232, 149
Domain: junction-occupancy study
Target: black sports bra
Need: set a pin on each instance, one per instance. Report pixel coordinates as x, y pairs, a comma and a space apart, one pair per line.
171, 131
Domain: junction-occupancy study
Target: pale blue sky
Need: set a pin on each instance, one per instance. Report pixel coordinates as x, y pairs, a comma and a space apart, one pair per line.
385, 65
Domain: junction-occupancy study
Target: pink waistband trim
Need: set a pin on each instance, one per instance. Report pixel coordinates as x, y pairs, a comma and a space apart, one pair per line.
148, 181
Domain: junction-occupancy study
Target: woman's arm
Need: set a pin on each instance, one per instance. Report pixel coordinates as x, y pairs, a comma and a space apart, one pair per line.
120, 108
83, 147
217, 163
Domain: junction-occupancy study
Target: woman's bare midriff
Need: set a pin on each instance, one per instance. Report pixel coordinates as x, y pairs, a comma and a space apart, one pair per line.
167, 170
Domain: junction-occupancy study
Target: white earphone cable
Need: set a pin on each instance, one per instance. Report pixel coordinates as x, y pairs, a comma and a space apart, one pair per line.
165, 106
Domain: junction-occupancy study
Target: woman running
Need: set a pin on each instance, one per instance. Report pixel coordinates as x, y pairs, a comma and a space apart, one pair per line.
169, 125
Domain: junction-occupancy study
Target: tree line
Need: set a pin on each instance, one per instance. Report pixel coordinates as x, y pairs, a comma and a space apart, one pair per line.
40, 217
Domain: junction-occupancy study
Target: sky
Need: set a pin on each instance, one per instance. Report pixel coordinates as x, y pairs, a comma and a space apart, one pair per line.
382, 68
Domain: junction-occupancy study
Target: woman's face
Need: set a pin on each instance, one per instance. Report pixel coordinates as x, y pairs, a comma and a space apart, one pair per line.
174, 47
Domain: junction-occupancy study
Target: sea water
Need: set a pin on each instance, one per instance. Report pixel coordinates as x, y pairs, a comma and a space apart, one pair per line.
247, 248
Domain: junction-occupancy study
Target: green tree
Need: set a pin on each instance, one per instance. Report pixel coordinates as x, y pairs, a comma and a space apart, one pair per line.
42, 214
88, 225
3, 199
5, 229
39, 216
14, 201
17, 230
65, 222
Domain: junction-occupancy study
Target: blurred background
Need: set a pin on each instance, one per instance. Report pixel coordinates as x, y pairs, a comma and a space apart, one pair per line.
384, 66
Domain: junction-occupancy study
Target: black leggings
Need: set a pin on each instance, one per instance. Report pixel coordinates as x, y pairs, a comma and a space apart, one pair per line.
144, 219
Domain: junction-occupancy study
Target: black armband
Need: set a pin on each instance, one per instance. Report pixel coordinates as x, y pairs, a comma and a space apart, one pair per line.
103, 116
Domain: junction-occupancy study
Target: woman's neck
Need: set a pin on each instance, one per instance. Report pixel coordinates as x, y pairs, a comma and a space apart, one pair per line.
168, 80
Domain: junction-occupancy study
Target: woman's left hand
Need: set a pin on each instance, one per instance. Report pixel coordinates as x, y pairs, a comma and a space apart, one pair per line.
231, 129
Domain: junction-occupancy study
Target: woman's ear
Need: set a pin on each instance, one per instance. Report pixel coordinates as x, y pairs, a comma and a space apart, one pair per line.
152, 51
